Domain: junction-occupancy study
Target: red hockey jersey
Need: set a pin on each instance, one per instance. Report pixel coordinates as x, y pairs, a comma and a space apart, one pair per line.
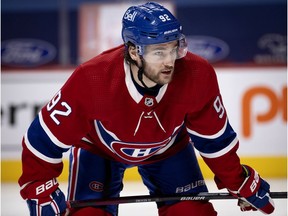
100, 109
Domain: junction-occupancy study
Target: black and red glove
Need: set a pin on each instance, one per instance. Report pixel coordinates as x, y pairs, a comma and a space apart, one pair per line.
253, 194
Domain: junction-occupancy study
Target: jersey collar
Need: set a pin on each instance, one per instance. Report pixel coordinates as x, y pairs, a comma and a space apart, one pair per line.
137, 97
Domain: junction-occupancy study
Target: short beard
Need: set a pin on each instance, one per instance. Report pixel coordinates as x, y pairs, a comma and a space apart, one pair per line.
156, 79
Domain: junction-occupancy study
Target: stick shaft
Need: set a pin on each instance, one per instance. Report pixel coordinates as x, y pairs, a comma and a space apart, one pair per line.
147, 198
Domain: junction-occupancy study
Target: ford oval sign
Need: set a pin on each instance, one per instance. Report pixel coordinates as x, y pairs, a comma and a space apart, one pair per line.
26, 52
210, 48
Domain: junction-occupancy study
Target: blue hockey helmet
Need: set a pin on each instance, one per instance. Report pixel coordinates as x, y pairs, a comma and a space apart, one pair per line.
149, 24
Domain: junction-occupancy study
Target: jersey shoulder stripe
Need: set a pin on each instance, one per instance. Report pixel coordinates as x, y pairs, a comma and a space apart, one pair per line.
50, 134
221, 152
40, 144
39, 154
212, 136
215, 145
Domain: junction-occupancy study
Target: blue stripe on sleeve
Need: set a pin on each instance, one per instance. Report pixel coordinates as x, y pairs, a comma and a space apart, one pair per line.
40, 141
210, 146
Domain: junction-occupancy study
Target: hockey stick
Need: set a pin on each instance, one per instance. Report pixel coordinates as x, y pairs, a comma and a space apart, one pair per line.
148, 198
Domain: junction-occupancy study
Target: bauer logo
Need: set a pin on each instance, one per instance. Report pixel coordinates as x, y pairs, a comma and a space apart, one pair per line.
26, 52
210, 48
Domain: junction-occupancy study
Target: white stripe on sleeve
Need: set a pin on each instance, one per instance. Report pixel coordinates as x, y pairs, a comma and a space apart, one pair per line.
40, 155
221, 152
50, 134
213, 136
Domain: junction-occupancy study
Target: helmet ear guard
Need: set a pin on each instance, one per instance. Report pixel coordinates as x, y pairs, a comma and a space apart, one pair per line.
182, 47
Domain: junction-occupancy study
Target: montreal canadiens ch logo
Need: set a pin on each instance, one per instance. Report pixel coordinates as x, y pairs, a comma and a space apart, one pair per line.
137, 152
96, 186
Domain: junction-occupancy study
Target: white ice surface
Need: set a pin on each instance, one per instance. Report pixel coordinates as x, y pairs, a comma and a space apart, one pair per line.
13, 205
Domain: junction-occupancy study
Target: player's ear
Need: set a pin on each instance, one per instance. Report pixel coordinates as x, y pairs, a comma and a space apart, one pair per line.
133, 53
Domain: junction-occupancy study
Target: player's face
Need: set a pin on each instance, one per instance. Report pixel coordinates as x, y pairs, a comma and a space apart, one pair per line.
159, 60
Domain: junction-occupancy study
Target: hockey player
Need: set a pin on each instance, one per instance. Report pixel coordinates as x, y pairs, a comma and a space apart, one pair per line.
147, 103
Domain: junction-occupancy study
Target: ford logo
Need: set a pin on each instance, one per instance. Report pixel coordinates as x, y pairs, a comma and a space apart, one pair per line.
26, 52
210, 48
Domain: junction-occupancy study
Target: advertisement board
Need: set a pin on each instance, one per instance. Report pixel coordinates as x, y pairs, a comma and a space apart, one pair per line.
253, 32
99, 30
255, 100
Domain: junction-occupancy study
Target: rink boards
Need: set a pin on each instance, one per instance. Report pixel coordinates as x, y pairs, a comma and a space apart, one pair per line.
255, 99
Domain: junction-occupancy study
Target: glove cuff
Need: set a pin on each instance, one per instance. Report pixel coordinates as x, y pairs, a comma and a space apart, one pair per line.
250, 185
39, 189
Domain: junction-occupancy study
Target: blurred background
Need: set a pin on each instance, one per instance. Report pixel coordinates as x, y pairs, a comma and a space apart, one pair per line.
68, 32
42, 42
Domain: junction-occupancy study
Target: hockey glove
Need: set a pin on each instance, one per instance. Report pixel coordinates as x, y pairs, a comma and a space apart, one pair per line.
253, 194
44, 198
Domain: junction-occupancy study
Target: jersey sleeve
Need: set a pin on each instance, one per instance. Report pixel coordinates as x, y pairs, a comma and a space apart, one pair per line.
212, 134
62, 122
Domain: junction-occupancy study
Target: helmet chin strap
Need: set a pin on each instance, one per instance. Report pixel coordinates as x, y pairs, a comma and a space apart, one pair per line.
140, 76
141, 72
